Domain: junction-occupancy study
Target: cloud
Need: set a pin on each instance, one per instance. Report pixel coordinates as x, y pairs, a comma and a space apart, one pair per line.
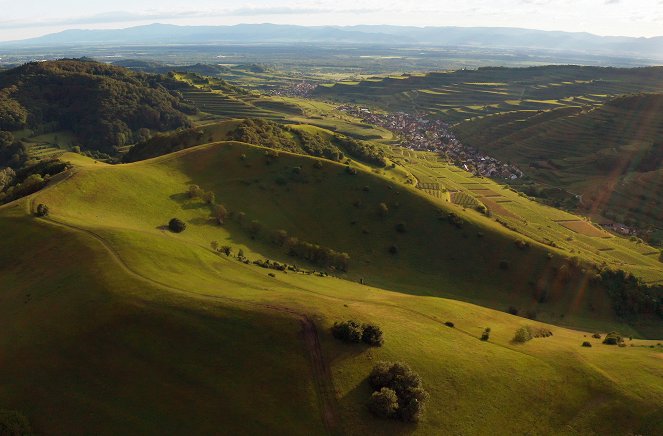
128, 17
287, 10
102, 18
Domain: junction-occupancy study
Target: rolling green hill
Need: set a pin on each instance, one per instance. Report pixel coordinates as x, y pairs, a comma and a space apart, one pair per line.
117, 325
611, 155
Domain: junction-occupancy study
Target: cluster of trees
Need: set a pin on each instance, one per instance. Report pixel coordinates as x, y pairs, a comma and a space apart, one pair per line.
159, 144
277, 136
105, 106
314, 253
265, 133
527, 333
219, 211
196, 192
361, 150
28, 179
398, 392
317, 254
613, 338
630, 295
13, 153
355, 332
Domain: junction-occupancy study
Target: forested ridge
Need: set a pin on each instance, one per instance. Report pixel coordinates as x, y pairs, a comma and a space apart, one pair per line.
103, 105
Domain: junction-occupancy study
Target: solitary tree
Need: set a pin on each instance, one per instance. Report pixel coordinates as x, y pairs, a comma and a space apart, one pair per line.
176, 225
42, 210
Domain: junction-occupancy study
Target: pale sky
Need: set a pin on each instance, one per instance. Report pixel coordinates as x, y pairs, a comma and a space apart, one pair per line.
21, 19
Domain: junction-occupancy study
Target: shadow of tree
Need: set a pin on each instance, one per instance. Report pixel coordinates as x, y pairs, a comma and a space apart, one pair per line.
200, 221
355, 401
188, 203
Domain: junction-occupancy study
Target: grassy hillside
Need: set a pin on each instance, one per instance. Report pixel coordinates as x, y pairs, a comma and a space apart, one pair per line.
611, 155
276, 192
185, 339
459, 95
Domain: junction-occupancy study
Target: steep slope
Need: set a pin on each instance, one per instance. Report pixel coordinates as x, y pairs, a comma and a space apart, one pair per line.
612, 155
416, 245
87, 345
183, 339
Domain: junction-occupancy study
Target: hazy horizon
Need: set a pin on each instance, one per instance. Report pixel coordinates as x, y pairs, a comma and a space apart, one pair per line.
33, 18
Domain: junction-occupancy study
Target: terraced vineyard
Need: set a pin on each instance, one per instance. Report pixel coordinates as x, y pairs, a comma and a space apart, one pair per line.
521, 215
612, 155
225, 106
464, 94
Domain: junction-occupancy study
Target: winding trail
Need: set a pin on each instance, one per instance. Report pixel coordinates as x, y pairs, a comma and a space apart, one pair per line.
321, 373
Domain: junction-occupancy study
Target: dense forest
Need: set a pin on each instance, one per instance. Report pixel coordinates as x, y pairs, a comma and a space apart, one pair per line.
280, 137
103, 105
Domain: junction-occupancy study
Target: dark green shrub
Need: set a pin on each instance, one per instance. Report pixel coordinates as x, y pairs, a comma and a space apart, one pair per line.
522, 335
393, 249
176, 225
539, 332
596, 336
586, 344
372, 335
401, 228
383, 403
449, 324
613, 338
42, 210
407, 386
486, 334
352, 331
513, 310
348, 331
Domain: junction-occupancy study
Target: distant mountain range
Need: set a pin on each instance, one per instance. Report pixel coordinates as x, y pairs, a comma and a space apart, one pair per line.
156, 34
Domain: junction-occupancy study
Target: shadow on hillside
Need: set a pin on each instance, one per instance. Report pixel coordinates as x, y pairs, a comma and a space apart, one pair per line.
357, 399
186, 202
200, 221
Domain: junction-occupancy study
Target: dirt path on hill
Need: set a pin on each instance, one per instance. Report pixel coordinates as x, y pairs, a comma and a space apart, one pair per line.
321, 373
